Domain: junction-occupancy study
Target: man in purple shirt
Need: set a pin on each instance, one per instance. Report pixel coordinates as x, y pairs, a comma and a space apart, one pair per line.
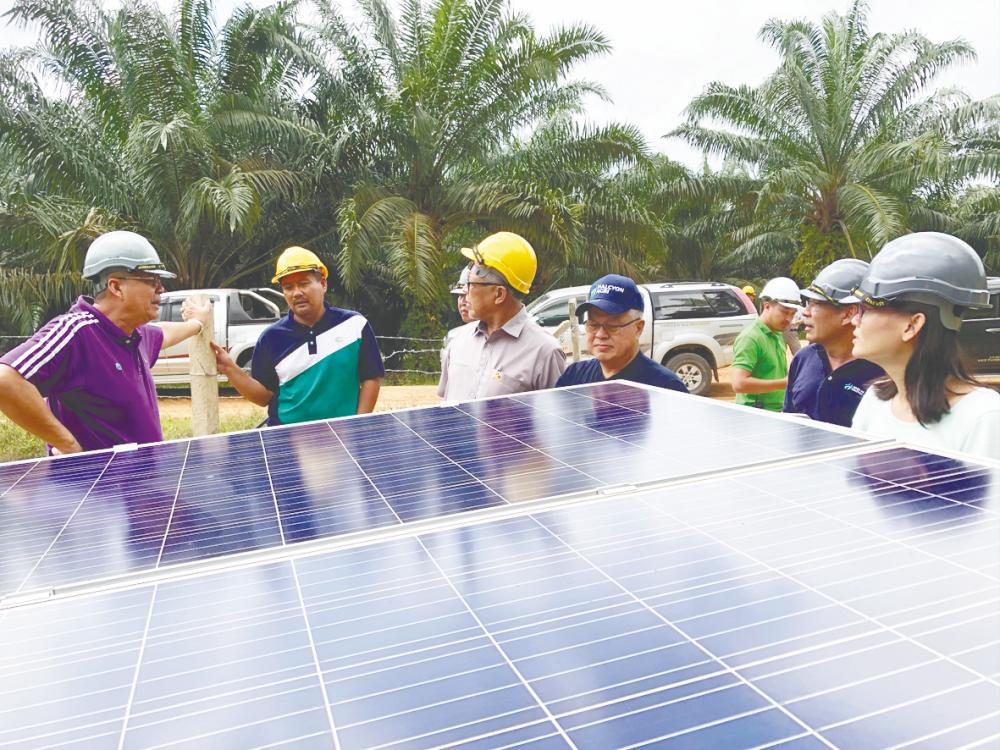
83, 381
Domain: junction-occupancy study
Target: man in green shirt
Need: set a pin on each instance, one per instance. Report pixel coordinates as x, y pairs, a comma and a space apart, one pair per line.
760, 366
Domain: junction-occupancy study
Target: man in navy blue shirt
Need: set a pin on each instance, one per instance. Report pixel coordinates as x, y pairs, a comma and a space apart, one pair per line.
825, 382
614, 324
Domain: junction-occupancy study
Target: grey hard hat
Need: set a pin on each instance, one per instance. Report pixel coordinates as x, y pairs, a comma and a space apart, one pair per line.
929, 267
122, 249
837, 280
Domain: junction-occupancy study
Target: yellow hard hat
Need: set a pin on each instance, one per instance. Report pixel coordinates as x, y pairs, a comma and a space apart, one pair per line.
508, 253
749, 290
295, 259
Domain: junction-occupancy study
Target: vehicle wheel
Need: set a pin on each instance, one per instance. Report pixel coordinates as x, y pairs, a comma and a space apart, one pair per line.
244, 361
693, 370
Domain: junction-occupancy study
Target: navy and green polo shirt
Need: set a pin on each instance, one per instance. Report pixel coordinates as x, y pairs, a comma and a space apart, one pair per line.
315, 373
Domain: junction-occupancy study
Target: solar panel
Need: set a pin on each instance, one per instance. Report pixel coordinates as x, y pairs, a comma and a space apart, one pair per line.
848, 601
102, 515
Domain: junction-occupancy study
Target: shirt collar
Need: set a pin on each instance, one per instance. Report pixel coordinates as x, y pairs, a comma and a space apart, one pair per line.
295, 325
512, 327
86, 304
763, 326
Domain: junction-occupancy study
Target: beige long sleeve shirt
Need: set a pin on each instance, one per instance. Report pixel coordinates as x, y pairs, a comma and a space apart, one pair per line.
517, 357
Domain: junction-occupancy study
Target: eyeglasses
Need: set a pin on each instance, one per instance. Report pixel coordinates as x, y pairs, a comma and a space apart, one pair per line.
154, 281
609, 328
482, 283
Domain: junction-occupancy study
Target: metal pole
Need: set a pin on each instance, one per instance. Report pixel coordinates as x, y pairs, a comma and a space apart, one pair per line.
204, 381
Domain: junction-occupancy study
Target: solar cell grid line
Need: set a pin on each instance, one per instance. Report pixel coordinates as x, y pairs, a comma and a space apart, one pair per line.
32, 520
305, 615
926, 515
976, 674
596, 673
715, 647
134, 498
713, 436
227, 662
12, 473
721, 420
318, 486
506, 463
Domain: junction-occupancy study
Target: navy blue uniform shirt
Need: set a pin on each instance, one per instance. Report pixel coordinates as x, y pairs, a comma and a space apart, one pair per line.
640, 370
827, 395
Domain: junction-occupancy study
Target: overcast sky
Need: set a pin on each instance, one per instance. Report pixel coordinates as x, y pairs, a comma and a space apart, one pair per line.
665, 52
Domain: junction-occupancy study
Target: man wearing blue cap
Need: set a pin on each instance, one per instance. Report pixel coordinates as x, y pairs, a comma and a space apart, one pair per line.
614, 324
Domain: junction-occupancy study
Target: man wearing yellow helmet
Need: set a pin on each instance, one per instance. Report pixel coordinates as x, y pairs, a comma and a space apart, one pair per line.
506, 351
319, 362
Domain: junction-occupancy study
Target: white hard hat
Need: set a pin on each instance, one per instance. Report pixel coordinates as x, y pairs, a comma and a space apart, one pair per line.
461, 286
782, 290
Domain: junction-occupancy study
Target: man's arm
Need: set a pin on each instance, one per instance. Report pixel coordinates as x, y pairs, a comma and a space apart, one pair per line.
742, 382
252, 390
195, 317
368, 395
24, 404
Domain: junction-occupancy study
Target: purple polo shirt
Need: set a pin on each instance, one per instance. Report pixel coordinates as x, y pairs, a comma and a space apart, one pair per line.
96, 379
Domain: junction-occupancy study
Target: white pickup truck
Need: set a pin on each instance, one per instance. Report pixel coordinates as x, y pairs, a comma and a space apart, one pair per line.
241, 315
690, 326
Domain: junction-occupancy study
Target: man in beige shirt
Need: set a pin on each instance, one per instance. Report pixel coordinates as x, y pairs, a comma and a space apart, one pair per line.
507, 351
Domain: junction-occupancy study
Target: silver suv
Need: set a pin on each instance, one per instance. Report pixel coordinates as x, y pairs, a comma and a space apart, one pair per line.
690, 326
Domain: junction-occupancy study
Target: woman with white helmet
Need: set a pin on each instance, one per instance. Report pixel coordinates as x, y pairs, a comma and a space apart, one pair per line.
912, 301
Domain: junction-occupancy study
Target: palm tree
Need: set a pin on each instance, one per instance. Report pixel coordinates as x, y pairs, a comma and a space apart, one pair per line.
838, 139
187, 135
453, 121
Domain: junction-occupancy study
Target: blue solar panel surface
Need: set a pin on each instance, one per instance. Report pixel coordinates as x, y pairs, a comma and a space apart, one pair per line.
848, 602
78, 519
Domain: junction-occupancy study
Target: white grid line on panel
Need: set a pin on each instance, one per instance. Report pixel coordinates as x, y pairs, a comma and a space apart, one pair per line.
946, 730
63, 528
482, 627
173, 506
30, 469
902, 704
694, 642
302, 603
447, 458
835, 601
138, 668
890, 539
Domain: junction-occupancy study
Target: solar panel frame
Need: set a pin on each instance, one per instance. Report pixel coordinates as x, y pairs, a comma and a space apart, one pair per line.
487, 563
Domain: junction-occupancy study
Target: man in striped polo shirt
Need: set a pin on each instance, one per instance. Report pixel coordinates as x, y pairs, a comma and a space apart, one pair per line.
318, 362
83, 381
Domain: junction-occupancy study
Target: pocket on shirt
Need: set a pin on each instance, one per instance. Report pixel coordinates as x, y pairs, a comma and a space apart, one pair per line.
509, 384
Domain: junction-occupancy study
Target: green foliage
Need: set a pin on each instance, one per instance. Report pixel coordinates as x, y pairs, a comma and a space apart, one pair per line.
819, 250
28, 299
186, 134
454, 117
842, 136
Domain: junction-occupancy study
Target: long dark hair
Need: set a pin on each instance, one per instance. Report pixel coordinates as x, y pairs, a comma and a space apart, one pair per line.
937, 356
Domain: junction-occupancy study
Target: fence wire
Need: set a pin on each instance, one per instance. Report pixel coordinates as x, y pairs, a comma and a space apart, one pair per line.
389, 353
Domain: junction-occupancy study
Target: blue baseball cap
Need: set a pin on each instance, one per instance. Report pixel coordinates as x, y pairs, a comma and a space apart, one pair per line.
612, 294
